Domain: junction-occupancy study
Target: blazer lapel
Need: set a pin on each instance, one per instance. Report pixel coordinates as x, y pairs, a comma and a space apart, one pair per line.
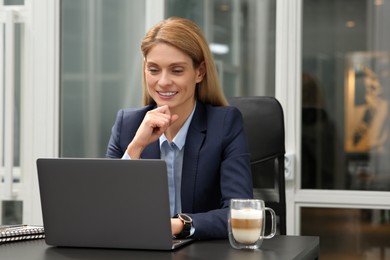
194, 141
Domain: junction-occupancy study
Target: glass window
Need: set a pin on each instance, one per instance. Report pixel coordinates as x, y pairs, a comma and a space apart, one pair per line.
345, 95
242, 39
11, 212
16, 93
101, 70
13, 2
345, 126
101, 59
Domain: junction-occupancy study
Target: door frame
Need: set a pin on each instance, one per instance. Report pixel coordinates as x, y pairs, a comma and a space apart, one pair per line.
38, 98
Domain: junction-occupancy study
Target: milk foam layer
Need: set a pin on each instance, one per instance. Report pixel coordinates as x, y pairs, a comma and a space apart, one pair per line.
246, 213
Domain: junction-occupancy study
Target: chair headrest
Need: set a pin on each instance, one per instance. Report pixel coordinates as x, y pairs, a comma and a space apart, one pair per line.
263, 124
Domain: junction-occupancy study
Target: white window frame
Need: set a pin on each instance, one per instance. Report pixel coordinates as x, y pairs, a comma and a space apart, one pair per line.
42, 100
39, 99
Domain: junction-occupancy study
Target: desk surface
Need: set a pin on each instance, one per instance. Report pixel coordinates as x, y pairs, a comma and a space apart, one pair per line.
279, 247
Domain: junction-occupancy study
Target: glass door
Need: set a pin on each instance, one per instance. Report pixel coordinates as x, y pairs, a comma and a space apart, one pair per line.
345, 140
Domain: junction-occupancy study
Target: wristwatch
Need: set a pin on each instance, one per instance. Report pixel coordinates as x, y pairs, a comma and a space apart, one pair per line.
187, 222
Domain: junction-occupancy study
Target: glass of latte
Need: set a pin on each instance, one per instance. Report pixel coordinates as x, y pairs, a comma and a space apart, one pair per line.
247, 223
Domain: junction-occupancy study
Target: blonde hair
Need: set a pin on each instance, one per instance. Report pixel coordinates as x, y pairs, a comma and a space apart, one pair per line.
187, 37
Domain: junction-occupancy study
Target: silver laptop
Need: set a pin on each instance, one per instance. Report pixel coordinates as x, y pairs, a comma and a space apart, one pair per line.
106, 203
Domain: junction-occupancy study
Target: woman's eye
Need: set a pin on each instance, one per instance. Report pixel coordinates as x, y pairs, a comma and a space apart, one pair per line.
153, 70
177, 70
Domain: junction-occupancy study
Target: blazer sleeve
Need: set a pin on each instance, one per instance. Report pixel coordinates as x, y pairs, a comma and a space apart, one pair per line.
124, 129
114, 149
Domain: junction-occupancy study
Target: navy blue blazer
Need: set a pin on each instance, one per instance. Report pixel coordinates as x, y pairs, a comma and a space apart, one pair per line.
216, 163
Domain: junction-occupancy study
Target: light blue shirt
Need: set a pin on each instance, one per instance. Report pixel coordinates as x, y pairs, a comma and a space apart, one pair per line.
172, 153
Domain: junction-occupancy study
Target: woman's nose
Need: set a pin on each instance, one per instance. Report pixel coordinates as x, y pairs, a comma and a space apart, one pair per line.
164, 80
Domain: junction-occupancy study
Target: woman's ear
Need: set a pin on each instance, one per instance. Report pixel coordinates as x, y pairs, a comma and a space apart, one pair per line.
201, 71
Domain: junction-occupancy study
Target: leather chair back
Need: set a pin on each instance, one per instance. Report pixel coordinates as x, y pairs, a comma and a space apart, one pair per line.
264, 127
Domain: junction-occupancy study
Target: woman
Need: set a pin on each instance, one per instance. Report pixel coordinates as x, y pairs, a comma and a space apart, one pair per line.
186, 122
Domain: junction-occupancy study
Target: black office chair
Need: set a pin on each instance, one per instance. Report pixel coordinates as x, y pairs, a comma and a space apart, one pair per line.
264, 127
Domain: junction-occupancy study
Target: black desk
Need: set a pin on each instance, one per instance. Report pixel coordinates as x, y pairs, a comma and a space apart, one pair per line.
279, 247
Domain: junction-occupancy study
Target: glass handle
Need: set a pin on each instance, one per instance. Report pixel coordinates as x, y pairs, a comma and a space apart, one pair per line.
273, 222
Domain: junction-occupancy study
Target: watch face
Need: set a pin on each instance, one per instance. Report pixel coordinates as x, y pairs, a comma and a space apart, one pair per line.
185, 218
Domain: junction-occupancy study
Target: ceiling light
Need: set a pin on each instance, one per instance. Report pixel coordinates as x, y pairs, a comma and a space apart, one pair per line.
350, 24
219, 48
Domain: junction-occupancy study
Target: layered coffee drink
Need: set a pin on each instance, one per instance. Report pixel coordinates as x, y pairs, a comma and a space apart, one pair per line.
246, 225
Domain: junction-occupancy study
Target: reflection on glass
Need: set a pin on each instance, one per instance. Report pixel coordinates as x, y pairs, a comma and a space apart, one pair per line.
366, 103
348, 233
345, 94
317, 136
367, 137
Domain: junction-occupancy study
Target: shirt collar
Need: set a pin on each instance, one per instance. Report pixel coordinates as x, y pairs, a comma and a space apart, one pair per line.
180, 138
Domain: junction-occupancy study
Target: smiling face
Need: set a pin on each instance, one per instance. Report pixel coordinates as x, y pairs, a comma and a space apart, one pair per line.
171, 78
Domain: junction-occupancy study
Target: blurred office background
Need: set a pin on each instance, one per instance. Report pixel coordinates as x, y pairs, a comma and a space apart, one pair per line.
327, 61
